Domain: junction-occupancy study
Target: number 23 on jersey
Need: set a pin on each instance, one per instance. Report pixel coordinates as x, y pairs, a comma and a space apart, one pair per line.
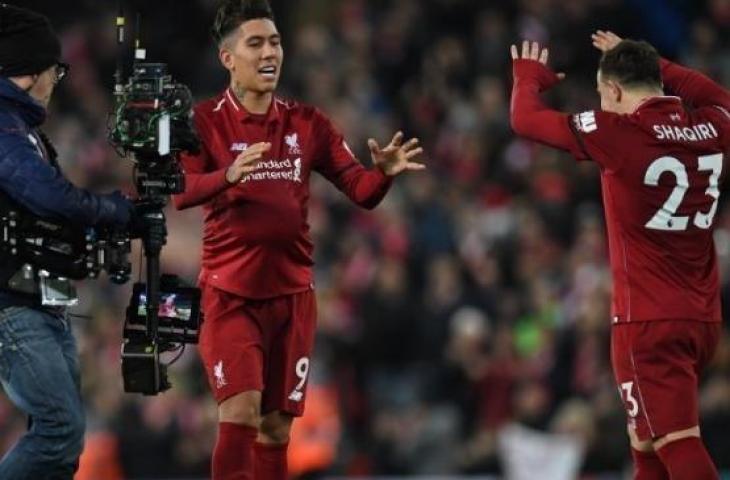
665, 218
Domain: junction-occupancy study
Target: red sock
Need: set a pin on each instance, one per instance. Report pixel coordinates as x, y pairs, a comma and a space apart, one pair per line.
233, 453
687, 459
271, 461
648, 466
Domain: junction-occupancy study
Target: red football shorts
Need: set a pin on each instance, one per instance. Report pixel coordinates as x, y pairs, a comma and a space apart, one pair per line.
262, 345
657, 366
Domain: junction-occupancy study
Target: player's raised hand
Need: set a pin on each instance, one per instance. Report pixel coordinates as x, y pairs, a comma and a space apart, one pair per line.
605, 40
532, 51
396, 157
246, 161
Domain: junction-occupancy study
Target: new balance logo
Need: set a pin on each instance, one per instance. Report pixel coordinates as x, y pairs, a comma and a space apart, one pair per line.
586, 121
296, 396
239, 146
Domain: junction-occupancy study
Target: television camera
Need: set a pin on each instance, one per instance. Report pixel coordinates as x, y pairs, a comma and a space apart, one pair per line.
151, 126
47, 253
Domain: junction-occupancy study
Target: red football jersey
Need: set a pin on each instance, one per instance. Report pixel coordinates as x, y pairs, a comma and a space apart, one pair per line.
660, 170
256, 240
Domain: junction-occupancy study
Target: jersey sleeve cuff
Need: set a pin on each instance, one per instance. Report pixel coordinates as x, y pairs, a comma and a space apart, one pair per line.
223, 182
525, 69
381, 177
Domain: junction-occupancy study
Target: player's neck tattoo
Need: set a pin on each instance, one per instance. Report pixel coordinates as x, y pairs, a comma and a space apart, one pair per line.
251, 100
239, 91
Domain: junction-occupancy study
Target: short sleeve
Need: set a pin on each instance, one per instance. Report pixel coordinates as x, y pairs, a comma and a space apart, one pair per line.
599, 137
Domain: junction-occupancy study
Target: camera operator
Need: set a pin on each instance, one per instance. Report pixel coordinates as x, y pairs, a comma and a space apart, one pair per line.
39, 366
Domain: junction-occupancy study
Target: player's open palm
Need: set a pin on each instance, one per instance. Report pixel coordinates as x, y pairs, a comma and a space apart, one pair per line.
397, 156
605, 40
533, 51
530, 51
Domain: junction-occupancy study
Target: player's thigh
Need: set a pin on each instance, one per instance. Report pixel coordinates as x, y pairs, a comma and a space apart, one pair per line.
702, 339
653, 363
230, 345
625, 377
707, 339
289, 358
242, 408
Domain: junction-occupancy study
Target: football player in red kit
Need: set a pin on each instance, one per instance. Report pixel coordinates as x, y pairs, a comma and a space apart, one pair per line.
660, 164
252, 179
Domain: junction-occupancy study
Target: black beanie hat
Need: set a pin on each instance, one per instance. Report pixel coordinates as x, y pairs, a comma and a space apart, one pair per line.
28, 44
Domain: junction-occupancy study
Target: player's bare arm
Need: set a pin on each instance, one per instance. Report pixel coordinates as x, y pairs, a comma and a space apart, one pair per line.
396, 157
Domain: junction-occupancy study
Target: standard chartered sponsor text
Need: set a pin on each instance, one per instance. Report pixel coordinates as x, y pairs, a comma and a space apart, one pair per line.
276, 170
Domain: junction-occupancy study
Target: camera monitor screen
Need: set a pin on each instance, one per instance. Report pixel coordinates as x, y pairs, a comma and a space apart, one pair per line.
178, 313
173, 305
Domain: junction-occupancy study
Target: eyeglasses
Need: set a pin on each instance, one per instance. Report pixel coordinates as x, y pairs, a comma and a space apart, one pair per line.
61, 71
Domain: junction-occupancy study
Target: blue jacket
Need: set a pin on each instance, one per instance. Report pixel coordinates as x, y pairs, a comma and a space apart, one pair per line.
28, 176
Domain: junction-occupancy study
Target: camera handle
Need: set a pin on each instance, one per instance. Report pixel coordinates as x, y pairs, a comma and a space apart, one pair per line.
152, 247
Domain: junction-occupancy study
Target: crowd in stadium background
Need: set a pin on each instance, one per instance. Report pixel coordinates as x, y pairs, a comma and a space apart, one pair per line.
464, 319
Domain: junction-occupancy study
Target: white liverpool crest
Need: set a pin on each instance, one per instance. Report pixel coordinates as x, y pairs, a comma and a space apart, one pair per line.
292, 141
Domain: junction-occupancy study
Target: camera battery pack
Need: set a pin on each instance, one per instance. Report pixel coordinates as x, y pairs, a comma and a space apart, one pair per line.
141, 368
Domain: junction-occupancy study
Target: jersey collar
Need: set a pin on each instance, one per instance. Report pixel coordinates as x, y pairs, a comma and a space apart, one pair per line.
659, 99
244, 116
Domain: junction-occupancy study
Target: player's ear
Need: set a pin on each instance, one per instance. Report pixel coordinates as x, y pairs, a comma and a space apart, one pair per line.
226, 58
616, 91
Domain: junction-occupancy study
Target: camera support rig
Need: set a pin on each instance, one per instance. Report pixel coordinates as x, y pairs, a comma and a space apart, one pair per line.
150, 124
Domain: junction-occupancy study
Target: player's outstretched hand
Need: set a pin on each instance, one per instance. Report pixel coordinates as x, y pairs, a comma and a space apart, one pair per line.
605, 40
396, 157
246, 161
532, 51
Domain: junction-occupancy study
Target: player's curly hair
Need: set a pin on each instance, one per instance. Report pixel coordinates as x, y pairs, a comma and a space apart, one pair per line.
232, 13
633, 64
